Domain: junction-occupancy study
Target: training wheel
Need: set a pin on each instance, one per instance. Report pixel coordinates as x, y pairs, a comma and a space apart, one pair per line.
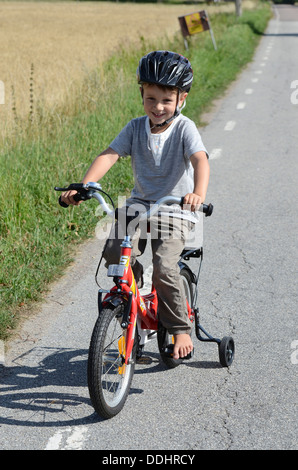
226, 350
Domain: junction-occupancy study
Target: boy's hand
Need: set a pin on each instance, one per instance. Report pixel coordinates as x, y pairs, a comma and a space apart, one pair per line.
67, 197
193, 201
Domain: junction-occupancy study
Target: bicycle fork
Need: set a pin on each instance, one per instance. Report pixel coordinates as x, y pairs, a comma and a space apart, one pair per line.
125, 287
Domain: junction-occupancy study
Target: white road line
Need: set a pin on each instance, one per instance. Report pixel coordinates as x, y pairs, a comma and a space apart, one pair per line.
230, 125
254, 79
215, 154
77, 438
54, 441
241, 105
249, 91
74, 441
258, 72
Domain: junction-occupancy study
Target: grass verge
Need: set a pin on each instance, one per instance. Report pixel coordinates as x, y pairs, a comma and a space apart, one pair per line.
37, 236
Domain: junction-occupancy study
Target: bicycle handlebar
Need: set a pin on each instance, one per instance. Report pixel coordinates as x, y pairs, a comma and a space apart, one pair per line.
92, 190
207, 209
84, 192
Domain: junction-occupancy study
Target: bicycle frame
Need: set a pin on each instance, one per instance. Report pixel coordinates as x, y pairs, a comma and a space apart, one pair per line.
126, 287
139, 307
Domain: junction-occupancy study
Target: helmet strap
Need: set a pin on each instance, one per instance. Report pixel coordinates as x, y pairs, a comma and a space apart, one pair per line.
177, 112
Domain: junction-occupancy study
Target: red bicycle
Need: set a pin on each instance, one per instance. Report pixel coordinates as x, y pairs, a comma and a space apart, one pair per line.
127, 320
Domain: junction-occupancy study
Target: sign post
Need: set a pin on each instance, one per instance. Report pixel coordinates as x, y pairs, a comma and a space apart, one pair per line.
194, 23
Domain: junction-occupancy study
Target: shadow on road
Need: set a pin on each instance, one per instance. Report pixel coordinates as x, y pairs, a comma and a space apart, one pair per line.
41, 389
48, 387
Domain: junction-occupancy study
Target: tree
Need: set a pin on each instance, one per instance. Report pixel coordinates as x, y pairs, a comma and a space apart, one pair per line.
238, 4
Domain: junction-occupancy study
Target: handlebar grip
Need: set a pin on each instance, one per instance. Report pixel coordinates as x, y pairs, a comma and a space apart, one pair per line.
207, 209
62, 204
77, 197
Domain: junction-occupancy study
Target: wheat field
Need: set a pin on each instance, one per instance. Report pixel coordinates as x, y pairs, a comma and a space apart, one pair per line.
49, 46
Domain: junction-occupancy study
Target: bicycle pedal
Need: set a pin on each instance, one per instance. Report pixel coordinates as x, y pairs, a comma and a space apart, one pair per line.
168, 352
189, 355
144, 360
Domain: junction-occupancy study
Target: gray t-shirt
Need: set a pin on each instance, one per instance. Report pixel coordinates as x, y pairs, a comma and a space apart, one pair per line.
159, 174
173, 173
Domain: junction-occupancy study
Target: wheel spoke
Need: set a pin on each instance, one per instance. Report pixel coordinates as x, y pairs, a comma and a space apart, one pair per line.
109, 381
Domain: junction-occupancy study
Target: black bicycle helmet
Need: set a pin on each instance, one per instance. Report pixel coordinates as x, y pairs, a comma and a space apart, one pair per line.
166, 68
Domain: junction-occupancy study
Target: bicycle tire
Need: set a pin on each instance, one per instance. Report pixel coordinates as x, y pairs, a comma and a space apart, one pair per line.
109, 379
164, 338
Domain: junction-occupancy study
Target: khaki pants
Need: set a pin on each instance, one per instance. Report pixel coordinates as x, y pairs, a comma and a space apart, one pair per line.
168, 235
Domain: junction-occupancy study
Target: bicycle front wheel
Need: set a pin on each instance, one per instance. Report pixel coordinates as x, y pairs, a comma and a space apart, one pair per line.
109, 378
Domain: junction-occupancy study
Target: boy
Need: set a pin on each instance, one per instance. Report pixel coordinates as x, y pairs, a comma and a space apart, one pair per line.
168, 158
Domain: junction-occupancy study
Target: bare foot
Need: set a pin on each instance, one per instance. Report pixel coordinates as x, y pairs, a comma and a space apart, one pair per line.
182, 346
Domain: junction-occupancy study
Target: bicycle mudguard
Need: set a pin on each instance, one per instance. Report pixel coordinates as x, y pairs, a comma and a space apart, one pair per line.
185, 266
131, 328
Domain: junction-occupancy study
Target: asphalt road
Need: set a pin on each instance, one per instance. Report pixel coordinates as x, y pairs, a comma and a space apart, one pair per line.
248, 290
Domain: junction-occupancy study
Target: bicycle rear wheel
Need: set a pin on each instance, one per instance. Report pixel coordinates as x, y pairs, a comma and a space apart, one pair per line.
164, 338
109, 379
